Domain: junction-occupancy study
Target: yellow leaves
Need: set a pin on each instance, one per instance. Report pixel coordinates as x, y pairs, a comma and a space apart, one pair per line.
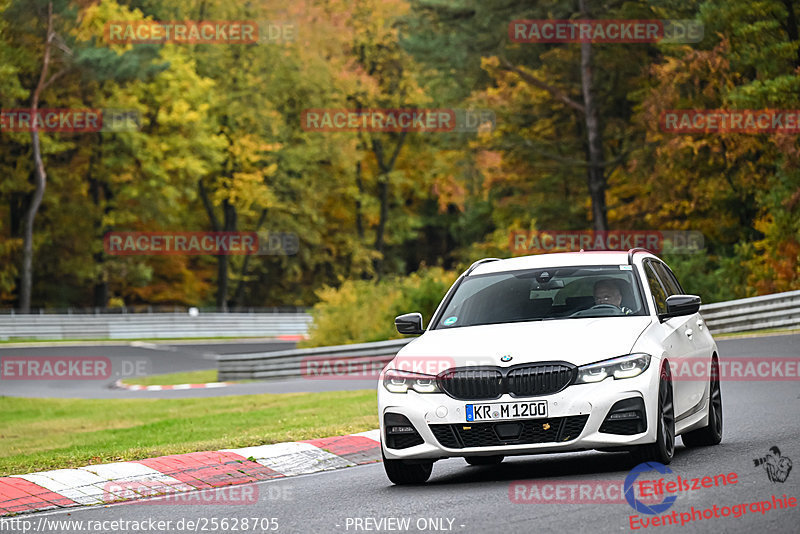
247, 186
180, 111
245, 190
94, 17
247, 149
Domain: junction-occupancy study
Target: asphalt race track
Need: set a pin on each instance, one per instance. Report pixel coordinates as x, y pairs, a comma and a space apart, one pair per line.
460, 498
165, 357
131, 358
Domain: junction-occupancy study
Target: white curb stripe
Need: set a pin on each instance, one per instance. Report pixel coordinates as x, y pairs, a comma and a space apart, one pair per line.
130, 480
293, 458
374, 435
98, 484
80, 486
119, 384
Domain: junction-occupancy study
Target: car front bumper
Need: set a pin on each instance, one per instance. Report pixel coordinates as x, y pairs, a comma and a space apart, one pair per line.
429, 413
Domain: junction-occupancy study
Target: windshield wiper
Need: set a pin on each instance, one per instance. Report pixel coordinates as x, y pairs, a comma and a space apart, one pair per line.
506, 322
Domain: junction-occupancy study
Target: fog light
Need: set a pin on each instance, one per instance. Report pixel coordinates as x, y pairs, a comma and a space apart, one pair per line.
400, 430
624, 415
400, 433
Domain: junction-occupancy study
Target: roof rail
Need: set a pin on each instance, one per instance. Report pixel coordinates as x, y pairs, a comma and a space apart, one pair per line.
474, 265
633, 251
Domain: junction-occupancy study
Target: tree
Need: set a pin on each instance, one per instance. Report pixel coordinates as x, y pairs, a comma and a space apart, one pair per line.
578, 91
61, 55
739, 189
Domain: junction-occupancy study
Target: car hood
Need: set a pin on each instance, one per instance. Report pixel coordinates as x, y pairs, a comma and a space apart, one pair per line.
577, 341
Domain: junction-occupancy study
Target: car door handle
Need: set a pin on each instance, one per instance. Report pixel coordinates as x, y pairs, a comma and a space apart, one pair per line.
689, 333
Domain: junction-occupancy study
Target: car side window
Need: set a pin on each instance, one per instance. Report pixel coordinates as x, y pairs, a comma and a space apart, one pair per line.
659, 295
670, 282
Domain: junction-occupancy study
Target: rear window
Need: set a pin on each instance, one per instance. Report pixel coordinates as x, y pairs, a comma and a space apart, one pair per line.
542, 294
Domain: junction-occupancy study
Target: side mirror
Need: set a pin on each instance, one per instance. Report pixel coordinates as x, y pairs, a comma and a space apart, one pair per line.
410, 323
681, 305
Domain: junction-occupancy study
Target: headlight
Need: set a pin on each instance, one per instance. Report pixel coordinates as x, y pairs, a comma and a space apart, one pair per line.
400, 382
622, 367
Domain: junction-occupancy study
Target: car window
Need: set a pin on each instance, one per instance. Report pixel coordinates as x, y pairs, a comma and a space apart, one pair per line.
538, 294
659, 295
668, 279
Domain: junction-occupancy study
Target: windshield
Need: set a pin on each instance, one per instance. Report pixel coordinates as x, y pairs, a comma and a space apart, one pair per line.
539, 294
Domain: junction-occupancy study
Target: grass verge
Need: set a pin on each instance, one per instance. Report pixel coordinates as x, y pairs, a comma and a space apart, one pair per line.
43, 434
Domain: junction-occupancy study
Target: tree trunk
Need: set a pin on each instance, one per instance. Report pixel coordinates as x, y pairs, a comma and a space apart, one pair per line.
595, 175
223, 260
383, 199
40, 180
791, 27
228, 224
222, 283
39, 175
237, 294
360, 185
384, 167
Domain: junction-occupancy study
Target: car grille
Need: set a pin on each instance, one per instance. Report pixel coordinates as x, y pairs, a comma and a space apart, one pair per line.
472, 383
527, 380
538, 380
528, 431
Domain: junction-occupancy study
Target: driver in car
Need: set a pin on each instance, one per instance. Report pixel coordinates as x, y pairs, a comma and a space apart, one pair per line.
607, 292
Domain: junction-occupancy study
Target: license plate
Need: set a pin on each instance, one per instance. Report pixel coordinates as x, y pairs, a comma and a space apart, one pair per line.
506, 410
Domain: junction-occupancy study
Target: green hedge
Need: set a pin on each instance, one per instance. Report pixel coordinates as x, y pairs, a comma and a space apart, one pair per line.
361, 311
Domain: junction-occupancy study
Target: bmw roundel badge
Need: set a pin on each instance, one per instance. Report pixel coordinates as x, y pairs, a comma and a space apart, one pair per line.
506, 358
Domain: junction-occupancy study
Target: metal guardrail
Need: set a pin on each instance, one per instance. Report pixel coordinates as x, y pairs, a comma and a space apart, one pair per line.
291, 363
152, 308
780, 310
152, 326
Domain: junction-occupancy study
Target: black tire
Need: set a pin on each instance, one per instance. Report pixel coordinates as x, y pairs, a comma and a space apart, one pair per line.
663, 449
402, 473
710, 434
484, 460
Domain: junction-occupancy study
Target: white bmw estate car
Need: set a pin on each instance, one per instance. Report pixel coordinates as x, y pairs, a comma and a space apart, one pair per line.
550, 353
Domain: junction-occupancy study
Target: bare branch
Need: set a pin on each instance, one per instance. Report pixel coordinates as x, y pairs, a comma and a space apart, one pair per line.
533, 80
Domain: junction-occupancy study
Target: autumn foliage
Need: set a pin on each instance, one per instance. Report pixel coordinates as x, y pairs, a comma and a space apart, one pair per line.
221, 147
